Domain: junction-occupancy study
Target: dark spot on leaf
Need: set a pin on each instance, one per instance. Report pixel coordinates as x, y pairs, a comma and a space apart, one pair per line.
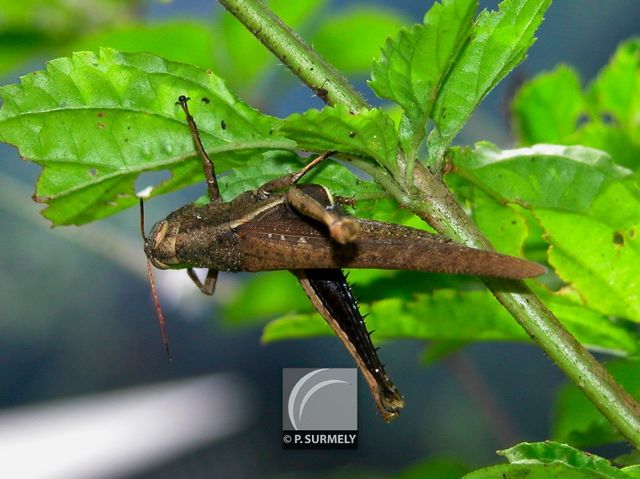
311, 69
632, 233
205, 100
608, 119
100, 114
271, 131
126, 140
128, 127
100, 125
352, 134
93, 172
582, 120
618, 238
223, 125
513, 222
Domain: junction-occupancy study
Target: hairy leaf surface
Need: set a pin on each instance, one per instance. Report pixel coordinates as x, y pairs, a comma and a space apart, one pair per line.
588, 207
498, 43
95, 122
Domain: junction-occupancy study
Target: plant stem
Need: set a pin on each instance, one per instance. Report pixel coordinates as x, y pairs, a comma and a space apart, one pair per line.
432, 201
293, 51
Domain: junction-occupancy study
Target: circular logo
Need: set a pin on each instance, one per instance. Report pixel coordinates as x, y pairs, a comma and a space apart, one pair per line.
315, 400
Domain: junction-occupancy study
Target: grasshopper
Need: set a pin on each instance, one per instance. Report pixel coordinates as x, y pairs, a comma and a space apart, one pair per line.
284, 225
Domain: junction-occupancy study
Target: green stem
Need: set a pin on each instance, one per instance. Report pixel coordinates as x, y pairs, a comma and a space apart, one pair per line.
436, 205
293, 51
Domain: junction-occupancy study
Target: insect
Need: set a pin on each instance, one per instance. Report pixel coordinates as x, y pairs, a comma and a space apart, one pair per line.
284, 225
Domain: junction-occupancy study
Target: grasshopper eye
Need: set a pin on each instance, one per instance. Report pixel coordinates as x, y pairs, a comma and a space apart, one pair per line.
159, 232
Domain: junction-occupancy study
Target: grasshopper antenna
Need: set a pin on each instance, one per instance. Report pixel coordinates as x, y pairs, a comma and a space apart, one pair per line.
154, 290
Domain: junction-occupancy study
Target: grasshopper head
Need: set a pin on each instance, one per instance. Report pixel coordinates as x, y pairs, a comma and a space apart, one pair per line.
160, 245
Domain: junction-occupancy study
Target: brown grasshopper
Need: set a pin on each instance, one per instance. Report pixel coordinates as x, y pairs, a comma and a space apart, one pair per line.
302, 228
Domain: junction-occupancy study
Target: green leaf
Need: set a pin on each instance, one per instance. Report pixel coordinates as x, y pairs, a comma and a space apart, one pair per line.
369, 133
553, 452
534, 471
600, 261
612, 139
434, 468
553, 108
187, 41
632, 471
17, 47
548, 460
95, 122
570, 178
632, 458
38, 27
579, 423
502, 224
587, 206
59, 17
498, 43
548, 109
616, 91
452, 315
595, 330
261, 298
363, 29
413, 64
257, 171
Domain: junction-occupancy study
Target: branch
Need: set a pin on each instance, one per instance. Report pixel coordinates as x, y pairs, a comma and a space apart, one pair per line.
432, 201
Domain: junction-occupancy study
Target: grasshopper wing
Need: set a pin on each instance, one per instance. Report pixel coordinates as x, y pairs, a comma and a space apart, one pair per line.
282, 238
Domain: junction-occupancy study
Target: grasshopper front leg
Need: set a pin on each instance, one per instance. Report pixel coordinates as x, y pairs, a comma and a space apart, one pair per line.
207, 164
209, 285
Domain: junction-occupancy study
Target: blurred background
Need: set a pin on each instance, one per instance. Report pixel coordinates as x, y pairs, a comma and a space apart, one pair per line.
81, 360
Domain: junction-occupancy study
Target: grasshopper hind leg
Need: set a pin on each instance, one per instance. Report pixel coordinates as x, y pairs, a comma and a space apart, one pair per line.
343, 228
